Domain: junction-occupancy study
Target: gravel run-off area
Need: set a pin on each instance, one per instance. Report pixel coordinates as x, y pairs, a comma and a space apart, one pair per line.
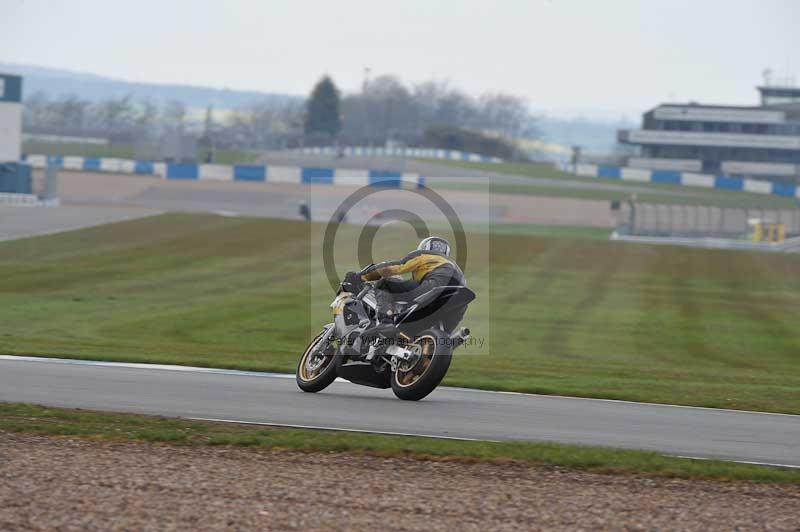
49, 483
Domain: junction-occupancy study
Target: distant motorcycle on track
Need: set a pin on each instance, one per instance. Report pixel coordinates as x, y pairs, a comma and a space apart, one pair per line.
411, 354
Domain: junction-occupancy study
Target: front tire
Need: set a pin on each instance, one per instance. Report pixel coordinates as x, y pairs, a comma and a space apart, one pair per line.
413, 380
316, 370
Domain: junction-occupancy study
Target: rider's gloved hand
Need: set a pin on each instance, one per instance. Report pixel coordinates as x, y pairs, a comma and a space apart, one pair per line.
352, 282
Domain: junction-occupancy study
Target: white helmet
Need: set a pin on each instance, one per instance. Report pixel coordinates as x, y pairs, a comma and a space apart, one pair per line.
435, 243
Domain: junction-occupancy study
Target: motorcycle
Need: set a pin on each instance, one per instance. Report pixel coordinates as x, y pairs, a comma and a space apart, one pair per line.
410, 354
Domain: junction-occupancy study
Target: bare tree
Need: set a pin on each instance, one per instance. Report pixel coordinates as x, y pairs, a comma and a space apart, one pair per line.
175, 114
146, 120
384, 110
115, 115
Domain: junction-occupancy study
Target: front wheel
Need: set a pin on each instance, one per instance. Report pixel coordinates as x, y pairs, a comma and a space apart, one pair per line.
421, 374
316, 369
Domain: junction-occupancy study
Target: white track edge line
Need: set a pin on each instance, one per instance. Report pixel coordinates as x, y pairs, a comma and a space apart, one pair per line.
137, 365
439, 437
222, 371
338, 429
80, 227
623, 401
748, 462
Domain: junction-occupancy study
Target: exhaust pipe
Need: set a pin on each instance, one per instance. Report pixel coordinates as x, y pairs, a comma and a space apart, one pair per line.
459, 337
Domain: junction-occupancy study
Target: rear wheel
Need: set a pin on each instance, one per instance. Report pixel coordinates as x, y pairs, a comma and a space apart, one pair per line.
415, 378
316, 369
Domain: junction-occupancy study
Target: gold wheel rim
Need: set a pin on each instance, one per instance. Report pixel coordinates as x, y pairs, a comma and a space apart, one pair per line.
427, 347
315, 372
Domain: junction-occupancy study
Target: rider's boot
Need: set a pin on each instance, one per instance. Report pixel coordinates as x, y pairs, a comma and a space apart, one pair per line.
384, 323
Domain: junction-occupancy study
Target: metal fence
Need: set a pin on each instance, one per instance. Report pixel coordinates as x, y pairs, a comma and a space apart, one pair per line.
649, 219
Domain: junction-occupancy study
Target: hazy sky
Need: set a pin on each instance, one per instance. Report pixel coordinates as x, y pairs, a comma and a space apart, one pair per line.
562, 55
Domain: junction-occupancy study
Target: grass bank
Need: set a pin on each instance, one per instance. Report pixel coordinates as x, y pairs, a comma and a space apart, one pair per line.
128, 427
528, 169
126, 151
560, 315
646, 192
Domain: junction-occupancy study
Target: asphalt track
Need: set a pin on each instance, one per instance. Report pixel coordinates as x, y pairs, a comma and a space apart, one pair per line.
22, 222
448, 412
92, 191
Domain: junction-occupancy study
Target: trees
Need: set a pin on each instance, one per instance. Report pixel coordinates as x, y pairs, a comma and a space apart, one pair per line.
263, 125
65, 115
146, 120
115, 114
456, 138
175, 114
385, 111
322, 112
389, 111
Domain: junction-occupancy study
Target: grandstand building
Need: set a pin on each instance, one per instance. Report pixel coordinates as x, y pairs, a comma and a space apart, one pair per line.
760, 142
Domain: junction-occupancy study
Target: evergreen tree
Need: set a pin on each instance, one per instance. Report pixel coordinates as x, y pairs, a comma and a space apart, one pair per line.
322, 114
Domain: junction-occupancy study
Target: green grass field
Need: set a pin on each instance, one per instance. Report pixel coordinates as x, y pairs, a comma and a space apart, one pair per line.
126, 427
654, 192
530, 169
716, 198
563, 315
125, 151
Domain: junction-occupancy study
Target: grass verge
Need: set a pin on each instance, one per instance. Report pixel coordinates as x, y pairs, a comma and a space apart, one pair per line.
700, 197
570, 316
127, 151
548, 231
528, 169
658, 193
25, 418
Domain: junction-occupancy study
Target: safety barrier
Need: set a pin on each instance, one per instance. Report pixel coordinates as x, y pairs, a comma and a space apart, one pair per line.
236, 172
428, 153
689, 179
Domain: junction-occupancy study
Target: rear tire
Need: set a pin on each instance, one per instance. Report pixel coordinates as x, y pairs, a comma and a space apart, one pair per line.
422, 377
317, 379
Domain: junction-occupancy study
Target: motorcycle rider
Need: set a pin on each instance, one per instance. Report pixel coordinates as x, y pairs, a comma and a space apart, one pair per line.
430, 266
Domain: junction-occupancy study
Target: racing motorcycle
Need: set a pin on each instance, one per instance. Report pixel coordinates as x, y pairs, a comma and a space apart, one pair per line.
410, 353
